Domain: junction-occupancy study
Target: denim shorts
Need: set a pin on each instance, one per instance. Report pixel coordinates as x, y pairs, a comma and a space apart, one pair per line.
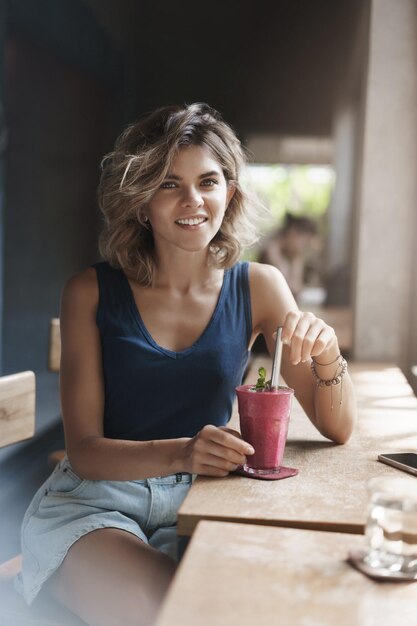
66, 507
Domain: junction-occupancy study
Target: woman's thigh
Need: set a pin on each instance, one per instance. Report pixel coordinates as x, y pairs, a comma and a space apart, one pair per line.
110, 577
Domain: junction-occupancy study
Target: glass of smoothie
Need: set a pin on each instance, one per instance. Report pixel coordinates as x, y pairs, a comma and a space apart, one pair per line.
264, 417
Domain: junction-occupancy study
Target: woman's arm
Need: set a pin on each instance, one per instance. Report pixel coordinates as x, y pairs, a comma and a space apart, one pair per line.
213, 451
331, 409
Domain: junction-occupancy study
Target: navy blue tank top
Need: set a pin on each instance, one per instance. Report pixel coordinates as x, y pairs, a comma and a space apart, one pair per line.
155, 393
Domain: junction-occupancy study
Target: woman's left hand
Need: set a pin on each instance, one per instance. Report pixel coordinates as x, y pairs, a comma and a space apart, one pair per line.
308, 336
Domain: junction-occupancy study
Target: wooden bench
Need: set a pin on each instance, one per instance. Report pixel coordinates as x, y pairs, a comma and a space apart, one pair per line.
17, 407
17, 423
245, 575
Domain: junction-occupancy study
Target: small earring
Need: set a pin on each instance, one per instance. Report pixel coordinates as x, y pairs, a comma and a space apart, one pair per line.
146, 219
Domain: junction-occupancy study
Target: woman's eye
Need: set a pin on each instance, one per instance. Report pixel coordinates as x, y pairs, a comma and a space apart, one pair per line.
168, 186
209, 182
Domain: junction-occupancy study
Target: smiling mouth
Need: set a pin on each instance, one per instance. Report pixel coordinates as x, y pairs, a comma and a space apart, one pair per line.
192, 221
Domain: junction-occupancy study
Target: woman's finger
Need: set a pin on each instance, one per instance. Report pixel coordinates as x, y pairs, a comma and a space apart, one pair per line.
298, 336
306, 335
323, 341
217, 462
289, 326
227, 454
236, 433
311, 338
218, 435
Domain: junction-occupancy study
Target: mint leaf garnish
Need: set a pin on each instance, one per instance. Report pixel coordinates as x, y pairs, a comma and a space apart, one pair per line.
261, 383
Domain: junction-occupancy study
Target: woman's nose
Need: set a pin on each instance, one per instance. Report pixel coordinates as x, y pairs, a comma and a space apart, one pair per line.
191, 197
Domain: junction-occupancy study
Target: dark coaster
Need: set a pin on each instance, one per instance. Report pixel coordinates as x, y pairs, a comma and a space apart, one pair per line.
284, 472
356, 558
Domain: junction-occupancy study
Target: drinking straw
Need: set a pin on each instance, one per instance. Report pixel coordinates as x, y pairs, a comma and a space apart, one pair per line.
276, 365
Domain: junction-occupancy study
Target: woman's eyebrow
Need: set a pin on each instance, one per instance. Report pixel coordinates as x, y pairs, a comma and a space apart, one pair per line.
211, 173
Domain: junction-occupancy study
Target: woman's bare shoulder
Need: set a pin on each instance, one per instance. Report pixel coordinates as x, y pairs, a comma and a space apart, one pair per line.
263, 274
271, 297
81, 289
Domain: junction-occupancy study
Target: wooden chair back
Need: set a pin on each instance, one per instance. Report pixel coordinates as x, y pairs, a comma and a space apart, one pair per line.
54, 354
17, 407
54, 362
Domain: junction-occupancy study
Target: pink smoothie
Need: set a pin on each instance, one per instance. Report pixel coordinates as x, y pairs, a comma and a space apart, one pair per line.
264, 418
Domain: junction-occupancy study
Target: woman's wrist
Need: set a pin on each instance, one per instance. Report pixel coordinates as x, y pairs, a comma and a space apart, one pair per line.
330, 372
179, 456
329, 358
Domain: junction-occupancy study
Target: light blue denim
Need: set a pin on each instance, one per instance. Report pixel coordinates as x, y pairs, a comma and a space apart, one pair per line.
67, 507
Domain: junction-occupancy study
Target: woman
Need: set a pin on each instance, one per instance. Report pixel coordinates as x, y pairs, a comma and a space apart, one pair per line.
154, 341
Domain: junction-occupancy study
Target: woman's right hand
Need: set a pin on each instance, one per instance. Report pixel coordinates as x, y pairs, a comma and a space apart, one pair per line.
215, 451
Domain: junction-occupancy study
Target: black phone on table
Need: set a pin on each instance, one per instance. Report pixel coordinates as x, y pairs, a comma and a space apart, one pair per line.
405, 461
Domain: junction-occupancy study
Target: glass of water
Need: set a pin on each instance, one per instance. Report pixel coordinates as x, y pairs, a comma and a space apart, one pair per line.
391, 527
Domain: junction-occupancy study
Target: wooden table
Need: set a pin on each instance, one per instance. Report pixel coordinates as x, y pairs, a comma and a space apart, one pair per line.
245, 575
330, 491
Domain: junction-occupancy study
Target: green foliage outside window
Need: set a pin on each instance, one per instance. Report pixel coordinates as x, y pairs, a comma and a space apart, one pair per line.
303, 190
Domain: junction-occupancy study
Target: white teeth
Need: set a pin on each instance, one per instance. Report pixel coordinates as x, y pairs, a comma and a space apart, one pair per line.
192, 222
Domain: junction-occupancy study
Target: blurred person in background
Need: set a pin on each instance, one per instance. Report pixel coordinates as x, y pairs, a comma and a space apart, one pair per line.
291, 249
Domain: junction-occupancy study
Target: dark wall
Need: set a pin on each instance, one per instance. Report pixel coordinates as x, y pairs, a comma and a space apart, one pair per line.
56, 120
270, 67
58, 95
3, 146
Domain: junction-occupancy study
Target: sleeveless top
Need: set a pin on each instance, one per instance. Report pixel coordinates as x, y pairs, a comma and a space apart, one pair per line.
155, 393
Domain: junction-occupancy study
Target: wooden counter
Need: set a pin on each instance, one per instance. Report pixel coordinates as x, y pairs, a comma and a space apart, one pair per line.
330, 491
244, 575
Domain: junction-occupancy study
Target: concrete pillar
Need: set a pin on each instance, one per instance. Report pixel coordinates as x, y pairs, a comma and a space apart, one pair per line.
3, 142
340, 211
387, 193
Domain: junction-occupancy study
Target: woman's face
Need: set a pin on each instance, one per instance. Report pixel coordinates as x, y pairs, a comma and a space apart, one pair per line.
187, 210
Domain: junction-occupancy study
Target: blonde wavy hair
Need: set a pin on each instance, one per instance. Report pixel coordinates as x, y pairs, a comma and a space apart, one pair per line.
135, 169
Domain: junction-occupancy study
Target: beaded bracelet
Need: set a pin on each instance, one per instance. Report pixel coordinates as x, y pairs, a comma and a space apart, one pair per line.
326, 364
330, 382
322, 382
